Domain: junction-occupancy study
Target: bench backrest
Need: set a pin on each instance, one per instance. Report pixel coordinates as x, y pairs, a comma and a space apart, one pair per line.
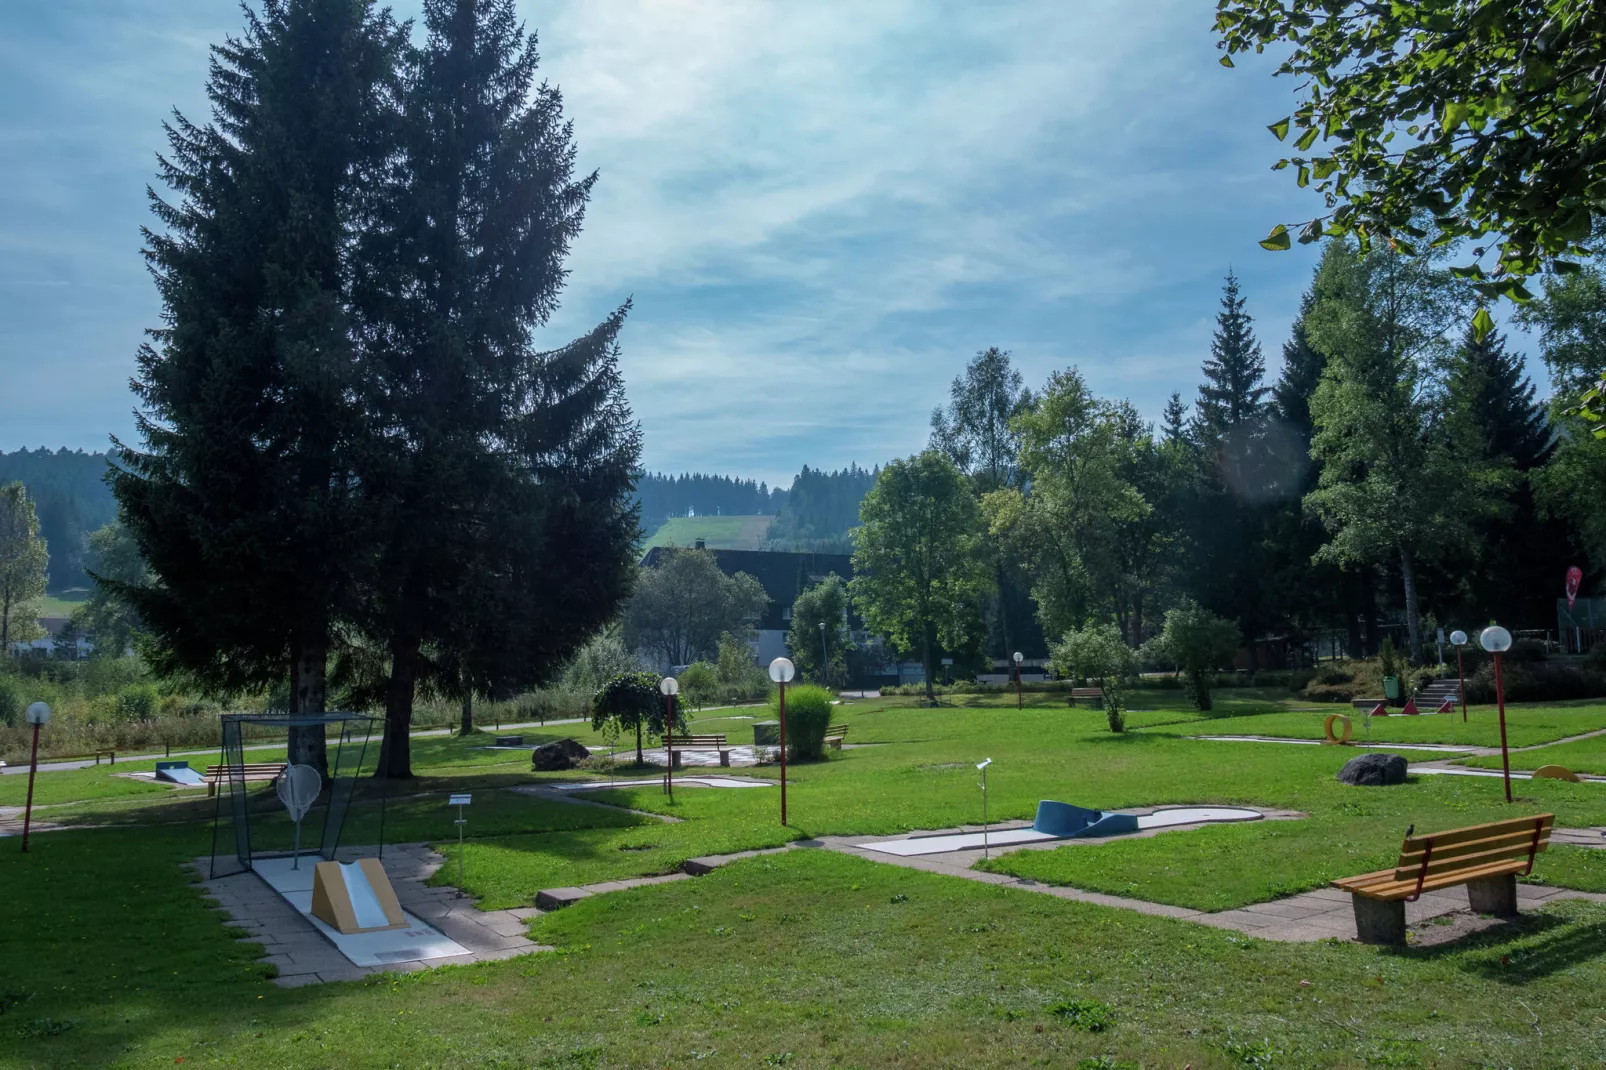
1087, 692
697, 741
836, 730
248, 769
1476, 845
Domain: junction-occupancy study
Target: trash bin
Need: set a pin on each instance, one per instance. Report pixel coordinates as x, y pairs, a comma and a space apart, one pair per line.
1391, 690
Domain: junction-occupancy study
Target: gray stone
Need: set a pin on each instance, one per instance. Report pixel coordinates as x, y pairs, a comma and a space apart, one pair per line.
1373, 770
558, 898
557, 755
1494, 895
1379, 921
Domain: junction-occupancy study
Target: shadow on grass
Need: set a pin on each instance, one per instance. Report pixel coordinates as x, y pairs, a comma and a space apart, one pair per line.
1522, 950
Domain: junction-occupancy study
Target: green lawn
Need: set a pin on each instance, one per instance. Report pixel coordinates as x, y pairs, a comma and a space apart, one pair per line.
812, 958
1581, 756
717, 532
808, 959
1527, 724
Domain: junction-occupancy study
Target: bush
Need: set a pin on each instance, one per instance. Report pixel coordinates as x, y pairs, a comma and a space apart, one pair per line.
11, 703
699, 683
1200, 642
1098, 652
808, 715
1527, 651
137, 702
1536, 682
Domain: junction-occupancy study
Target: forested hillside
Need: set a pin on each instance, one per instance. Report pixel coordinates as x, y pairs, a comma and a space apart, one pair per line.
71, 498
820, 509
663, 496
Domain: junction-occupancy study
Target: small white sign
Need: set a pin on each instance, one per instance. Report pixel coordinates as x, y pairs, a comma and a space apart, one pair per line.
459, 800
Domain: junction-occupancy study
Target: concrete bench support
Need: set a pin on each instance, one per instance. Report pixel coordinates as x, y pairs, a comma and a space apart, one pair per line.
1379, 921
1494, 895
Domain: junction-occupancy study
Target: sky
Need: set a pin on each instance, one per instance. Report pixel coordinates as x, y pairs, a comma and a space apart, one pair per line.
821, 210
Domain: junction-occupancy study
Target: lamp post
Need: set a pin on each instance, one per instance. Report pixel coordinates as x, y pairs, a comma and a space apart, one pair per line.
36, 714
825, 658
1458, 639
781, 671
1496, 640
1019, 704
670, 687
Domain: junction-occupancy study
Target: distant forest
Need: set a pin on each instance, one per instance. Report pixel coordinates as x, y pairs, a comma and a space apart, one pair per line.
71, 497
815, 514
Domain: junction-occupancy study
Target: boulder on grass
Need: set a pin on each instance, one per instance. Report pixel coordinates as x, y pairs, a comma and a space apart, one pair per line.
1373, 770
557, 755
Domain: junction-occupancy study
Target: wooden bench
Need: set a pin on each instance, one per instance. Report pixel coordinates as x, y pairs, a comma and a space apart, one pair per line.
835, 735
1095, 694
1488, 859
95, 754
250, 772
700, 743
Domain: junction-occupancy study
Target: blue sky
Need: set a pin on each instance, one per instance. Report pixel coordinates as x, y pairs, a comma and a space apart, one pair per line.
821, 209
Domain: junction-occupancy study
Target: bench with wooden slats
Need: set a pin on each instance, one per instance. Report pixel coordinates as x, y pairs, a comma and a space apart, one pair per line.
1093, 694
700, 743
1485, 858
835, 735
250, 772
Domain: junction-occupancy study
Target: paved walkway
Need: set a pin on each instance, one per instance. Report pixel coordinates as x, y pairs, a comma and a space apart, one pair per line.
305, 956
1320, 914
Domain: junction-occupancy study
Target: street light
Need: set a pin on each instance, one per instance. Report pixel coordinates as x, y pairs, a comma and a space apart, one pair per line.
670, 688
1496, 640
37, 714
825, 658
782, 671
1018, 659
1458, 639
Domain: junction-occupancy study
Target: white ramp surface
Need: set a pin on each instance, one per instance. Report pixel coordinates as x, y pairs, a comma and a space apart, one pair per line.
418, 942
972, 841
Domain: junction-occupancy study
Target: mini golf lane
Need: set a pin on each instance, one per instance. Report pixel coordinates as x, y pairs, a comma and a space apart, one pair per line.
1106, 824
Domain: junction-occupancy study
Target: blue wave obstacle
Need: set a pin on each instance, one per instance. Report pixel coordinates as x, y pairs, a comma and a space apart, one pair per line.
1063, 821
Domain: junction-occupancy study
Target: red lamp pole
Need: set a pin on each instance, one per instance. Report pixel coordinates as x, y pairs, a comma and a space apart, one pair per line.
783, 751
1500, 702
1017, 660
33, 767
669, 745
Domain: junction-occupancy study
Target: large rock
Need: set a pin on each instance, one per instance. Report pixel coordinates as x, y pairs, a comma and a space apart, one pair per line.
1373, 770
560, 754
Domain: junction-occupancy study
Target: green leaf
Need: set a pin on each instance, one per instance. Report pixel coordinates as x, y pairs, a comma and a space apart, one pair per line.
1482, 324
1225, 61
1310, 232
1455, 113
1307, 139
1279, 129
1277, 241
1566, 267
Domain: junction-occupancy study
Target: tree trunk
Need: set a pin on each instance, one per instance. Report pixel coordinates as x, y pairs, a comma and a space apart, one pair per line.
468, 714
1352, 616
397, 751
1137, 619
1369, 602
641, 759
1408, 575
930, 656
309, 694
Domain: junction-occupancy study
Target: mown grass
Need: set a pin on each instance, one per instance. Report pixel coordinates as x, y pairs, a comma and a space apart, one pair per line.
1581, 756
1527, 724
800, 960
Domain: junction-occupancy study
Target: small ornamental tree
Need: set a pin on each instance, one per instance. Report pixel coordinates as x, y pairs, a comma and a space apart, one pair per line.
1097, 653
1199, 642
633, 701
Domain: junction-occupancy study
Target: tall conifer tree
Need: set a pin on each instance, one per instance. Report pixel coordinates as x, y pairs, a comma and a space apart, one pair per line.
1233, 391
501, 476
243, 497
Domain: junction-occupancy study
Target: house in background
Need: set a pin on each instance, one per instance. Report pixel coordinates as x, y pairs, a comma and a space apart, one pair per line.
784, 575
54, 643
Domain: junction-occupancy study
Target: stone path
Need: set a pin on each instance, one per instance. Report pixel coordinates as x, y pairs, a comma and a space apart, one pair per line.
305, 956
1320, 914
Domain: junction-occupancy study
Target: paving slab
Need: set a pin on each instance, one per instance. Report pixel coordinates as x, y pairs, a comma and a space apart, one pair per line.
558, 898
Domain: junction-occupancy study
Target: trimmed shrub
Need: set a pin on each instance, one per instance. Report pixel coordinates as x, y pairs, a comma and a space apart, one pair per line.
808, 715
1536, 682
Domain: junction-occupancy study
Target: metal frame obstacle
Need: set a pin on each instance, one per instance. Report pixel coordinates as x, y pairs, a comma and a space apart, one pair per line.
348, 750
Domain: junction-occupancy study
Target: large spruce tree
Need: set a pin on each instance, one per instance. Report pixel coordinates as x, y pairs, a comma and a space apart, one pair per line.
243, 496
499, 475
1234, 390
